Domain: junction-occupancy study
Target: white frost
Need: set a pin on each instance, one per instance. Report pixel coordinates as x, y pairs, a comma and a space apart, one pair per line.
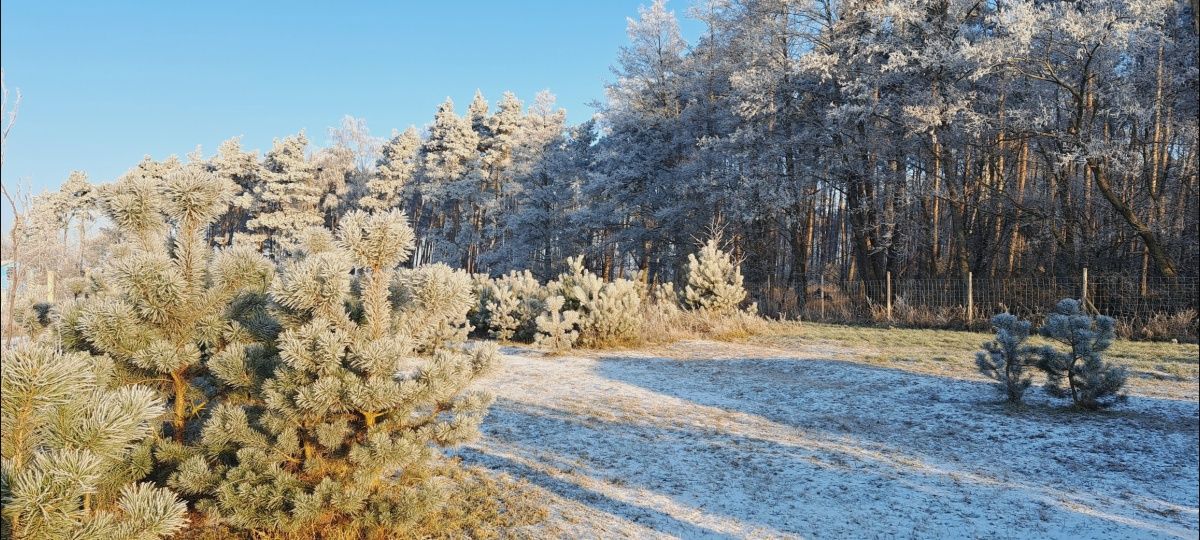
738, 441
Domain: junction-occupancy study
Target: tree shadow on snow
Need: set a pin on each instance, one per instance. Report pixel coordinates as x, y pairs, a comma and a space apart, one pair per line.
659, 477
1144, 452
641, 514
680, 478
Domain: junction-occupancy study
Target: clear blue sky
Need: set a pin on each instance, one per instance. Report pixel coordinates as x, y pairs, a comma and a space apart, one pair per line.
105, 83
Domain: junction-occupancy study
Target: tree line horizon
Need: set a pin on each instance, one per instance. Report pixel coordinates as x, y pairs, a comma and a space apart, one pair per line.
847, 140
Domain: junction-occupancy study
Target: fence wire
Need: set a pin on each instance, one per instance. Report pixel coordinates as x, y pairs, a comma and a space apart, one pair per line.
1156, 309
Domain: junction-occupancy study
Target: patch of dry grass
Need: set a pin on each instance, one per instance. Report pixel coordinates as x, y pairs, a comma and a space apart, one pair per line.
663, 327
660, 327
680, 325
1156, 369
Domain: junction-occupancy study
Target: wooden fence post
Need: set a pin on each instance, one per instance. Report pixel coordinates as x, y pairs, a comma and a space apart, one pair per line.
889, 296
1083, 295
822, 297
970, 297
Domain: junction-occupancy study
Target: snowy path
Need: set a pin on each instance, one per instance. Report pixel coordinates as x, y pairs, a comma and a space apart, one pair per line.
727, 441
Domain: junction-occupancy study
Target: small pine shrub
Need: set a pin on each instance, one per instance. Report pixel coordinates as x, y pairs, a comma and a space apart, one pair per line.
509, 305
433, 301
367, 377
556, 328
714, 281
164, 307
74, 450
1005, 358
503, 307
577, 285
609, 313
1080, 372
664, 298
309, 241
611, 317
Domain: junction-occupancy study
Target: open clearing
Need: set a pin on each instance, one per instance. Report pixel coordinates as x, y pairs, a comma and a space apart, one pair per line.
823, 437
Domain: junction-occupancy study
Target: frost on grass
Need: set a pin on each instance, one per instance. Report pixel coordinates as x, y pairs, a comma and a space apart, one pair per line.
712, 440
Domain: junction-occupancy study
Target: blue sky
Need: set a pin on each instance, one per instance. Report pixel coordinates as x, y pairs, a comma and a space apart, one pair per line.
105, 83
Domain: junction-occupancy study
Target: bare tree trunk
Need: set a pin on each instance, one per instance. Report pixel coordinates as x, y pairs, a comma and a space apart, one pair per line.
800, 240
935, 229
15, 270
1160, 257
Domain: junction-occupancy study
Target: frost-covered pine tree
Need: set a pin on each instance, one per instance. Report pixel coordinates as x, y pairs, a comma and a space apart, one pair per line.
546, 173
167, 297
1079, 372
79, 196
449, 191
502, 306
133, 203
609, 313
446, 156
714, 281
664, 298
1005, 358
387, 189
508, 305
477, 115
288, 198
612, 315
338, 440
499, 137
336, 177
556, 328
432, 302
74, 450
242, 170
639, 179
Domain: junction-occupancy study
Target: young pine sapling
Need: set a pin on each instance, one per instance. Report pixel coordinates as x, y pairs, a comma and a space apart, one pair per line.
1005, 358
1080, 372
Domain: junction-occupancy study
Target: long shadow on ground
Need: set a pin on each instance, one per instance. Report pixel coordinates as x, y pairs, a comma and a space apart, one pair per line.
1142, 454
734, 447
570, 490
681, 480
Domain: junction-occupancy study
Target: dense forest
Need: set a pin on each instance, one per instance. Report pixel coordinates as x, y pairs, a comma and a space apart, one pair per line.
921, 138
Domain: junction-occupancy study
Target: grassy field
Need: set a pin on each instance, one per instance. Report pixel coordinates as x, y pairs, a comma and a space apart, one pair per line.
1155, 369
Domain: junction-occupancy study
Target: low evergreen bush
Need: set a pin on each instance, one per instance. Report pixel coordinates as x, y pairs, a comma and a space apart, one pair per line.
714, 281
1006, 357
76, 449
609, 313
1079, 371
556, 327
338, 440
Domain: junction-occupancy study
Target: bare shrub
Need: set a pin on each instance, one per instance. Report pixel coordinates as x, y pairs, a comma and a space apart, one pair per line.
1161, 326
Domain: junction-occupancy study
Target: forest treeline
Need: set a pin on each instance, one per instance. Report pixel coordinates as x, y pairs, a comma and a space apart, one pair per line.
925, 138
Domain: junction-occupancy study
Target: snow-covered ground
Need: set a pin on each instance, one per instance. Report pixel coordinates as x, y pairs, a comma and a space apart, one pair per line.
717, 440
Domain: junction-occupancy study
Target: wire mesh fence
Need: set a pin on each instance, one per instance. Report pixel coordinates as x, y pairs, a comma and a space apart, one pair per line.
1155, 309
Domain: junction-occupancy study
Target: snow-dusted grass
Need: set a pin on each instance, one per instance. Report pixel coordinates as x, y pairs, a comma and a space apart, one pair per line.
1155, 369
704, 439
